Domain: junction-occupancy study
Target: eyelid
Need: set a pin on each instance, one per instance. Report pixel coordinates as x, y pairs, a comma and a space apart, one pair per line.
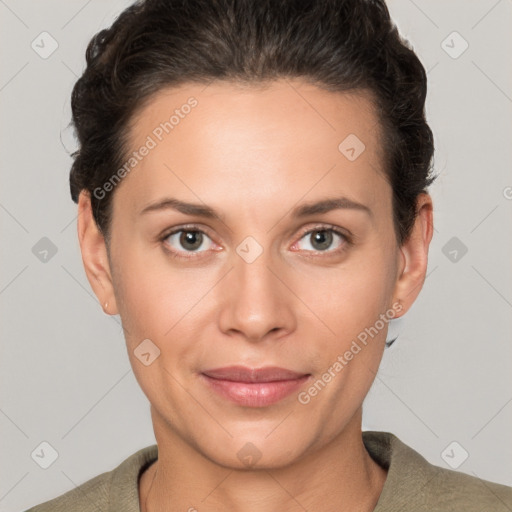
326, 227
347, 237
180, 254
184, 227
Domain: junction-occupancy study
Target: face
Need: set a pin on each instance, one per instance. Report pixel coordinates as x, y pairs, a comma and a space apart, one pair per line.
255, 231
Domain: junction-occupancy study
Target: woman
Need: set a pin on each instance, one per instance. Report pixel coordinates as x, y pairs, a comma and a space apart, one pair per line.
252, 193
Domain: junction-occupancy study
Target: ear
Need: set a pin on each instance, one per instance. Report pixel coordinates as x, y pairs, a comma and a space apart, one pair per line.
94, 255
414, 255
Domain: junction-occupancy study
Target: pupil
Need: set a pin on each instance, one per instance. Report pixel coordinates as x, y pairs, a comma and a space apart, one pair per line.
193, 238
323, 238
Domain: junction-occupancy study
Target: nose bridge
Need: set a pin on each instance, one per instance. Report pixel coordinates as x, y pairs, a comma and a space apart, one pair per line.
254, 275
257, 302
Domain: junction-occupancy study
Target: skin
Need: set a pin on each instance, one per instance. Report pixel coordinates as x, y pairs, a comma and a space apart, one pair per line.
254, 154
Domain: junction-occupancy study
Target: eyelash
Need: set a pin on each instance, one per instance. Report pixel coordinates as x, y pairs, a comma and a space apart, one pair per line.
347, 241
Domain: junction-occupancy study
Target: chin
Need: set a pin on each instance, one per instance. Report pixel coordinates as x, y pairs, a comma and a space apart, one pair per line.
257, 451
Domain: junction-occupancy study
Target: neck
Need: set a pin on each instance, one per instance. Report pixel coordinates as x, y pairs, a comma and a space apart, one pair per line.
341, 476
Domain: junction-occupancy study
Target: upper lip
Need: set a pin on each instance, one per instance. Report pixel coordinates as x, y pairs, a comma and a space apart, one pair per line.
245, 374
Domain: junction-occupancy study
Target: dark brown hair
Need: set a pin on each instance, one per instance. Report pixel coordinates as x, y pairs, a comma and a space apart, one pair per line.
338, 45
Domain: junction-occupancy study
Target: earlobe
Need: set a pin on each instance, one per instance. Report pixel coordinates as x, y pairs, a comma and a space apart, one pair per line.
414, 255
94, 255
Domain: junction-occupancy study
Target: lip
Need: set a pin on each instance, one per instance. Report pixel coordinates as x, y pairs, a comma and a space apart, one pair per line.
254, 387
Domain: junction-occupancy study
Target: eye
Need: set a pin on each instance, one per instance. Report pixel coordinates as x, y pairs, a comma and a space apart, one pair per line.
321, 239
185, 240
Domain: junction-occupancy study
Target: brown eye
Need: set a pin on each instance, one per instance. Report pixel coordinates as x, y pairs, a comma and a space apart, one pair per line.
188, 241
191, 240
322, 240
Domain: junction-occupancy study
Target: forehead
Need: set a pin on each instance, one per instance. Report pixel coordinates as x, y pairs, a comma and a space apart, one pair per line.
254, 142
234, 109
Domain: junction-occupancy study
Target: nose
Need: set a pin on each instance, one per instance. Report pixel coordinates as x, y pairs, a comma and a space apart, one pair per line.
256, 302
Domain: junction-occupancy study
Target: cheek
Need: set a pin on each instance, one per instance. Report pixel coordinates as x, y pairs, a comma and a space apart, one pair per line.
156, 297
350, 300
157, 304
141, 294
352, 295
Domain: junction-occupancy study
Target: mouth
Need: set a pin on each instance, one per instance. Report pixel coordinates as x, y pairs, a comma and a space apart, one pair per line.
254, 387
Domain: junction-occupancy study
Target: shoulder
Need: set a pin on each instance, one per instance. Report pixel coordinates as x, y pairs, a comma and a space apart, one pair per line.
118, 487
413, 481
95, 491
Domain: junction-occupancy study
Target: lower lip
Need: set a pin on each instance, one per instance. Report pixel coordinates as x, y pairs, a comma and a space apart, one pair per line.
255, 394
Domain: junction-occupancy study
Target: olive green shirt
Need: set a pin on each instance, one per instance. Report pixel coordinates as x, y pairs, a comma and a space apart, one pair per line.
412, 484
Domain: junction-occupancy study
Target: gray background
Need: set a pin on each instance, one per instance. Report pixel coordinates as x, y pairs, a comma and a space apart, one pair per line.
65, 375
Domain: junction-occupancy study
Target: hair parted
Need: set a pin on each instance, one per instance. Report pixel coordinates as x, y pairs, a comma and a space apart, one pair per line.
338, 45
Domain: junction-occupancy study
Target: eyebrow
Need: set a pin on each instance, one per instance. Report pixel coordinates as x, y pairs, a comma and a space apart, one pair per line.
304, 210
